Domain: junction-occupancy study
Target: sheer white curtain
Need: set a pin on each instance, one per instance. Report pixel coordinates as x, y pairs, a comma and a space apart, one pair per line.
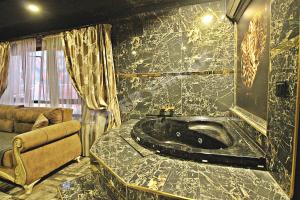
40, 78
21, 76
56, 89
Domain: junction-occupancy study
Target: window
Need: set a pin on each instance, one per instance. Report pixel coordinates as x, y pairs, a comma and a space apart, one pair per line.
39, 78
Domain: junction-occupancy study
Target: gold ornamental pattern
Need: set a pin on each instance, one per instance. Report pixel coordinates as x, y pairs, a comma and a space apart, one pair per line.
252, 48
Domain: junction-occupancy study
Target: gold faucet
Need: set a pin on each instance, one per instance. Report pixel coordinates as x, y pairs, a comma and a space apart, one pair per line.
167, 108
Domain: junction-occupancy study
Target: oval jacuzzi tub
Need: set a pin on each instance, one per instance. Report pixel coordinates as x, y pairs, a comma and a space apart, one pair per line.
212, 140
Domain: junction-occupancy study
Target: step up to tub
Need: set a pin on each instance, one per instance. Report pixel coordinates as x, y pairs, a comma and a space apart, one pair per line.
128, 174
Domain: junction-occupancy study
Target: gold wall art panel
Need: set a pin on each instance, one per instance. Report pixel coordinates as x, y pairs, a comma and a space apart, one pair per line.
252, 65
252, 47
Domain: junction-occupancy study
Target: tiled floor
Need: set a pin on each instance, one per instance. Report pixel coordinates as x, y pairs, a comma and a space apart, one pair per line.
47, 189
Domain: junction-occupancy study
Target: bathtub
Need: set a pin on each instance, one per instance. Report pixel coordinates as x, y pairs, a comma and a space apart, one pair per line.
202, 139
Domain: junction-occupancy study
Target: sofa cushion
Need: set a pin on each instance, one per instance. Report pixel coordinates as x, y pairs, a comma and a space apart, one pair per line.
6, 125
7, 111
67, 114
20, 127
54, 116
40, 122
29, 114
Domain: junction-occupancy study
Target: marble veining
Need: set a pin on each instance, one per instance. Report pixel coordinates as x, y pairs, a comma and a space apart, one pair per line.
83, 188
284, 21
140, 96
205, 95
281, 111
174, 41
256, 136
158, 177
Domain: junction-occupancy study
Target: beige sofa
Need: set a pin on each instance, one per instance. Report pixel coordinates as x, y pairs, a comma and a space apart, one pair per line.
28, 155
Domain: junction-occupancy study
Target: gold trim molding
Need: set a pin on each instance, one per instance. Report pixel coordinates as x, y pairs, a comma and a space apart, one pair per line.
296, 130
256, 122
223, 71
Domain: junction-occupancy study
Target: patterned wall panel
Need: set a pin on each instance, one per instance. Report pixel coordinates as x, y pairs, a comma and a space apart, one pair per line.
194, 60
284, 67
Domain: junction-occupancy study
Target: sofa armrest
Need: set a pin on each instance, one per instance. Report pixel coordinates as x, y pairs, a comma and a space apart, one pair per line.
43, 136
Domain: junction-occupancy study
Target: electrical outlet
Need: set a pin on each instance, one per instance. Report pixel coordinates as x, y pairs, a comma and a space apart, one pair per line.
282, 89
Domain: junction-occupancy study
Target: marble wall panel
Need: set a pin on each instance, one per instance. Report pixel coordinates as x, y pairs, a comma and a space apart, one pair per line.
260, 139
174, 41
209, 95
160, 21
281, 121
162, 53
284, 67
206, 46
206, 53
152, 53
284, 21
191, 16
140, 96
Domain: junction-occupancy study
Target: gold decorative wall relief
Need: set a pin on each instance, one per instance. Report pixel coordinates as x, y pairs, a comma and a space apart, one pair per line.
252, 48
253, 61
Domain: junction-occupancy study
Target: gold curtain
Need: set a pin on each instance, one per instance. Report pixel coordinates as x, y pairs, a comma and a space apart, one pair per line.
89, 61
4, 60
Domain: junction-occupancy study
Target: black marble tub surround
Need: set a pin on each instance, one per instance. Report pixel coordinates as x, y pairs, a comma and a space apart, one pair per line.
189, 56
130, 175
203, 139
254, 135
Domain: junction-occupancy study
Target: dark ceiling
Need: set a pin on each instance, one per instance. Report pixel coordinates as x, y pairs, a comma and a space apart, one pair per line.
16, 21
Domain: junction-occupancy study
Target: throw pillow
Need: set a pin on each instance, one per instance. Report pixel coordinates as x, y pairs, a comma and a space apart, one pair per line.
54, 116
40, 122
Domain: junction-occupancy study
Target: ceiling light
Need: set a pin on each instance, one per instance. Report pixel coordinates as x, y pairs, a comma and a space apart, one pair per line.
33, 8
207, 19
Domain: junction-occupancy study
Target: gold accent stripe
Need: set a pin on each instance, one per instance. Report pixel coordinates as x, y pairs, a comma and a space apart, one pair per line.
132, 75
136, 187
256, 122
161, 74
295, 142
